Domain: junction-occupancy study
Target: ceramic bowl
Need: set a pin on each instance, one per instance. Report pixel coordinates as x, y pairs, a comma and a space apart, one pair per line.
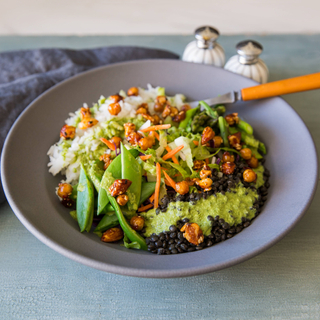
30, 189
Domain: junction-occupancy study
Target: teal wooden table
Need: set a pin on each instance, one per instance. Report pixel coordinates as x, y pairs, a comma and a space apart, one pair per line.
281, 283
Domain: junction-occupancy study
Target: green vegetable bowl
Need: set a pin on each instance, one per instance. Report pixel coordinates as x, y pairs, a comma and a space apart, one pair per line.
30, 188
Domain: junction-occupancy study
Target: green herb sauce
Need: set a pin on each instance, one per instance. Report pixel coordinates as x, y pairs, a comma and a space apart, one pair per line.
231, 207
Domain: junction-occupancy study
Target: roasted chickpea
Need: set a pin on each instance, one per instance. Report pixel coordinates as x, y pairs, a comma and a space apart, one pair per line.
116, 141
227, 157
133, 91
246, 153
158, 107
148, 117
120, 186
205, 183
134, 138
144, 107
145, 143
185, 107
198, 164
170, 111
137, 223
193, 233
106, 158
207, 135
67, 132
205, 172
217, 140
85, 113
179, 117
116, 97
249, 175
152, 137
142, 110
232, 118
166, 112
228, 167
174, 111
122, 199
182, 187
191, 182
112, 235
156, 119
129, 128
64, 190
234, 140
114, 108
253, 162
87, 123
162, 100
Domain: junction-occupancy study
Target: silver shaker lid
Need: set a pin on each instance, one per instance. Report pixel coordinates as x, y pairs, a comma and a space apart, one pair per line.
249, 51
206, 36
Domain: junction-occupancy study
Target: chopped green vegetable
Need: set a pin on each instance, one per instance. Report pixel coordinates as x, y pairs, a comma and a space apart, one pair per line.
132, 171
85, 202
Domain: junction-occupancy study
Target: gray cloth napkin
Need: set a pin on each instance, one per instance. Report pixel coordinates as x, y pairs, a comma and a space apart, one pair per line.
24, 75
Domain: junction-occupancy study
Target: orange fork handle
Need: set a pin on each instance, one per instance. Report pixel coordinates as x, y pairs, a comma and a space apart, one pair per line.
276, 88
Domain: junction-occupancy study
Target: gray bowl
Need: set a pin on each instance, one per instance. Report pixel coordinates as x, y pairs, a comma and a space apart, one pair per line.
30, 188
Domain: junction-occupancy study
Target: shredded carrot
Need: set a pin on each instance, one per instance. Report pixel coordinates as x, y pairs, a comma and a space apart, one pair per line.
148, 156
165, 169
196, 143
157, 191
152, 198
170, 181
145, 208
158, 127
207, 161
174, 159
156, 134
167, 182
172, 152
108, 143
177, 174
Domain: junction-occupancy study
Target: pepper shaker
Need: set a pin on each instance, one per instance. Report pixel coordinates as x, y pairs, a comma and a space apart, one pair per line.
247, 61
205, 49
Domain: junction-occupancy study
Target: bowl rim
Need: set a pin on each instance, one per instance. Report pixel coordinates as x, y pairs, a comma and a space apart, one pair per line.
128, 271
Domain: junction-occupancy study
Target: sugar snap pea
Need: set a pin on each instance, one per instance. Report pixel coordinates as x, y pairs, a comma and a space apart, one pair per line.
245, 126
131, 170
107, 222
85, 201
189, 115
131, 234
95, 171
210, 112
147, 189
115, 170
220, 108
108, 208
224, 131
248, 139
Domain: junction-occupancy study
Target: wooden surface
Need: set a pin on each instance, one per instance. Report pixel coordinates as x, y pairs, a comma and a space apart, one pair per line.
281, 283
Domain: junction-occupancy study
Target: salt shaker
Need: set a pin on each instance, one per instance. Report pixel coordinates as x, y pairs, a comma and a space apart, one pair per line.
205, 49
247, 61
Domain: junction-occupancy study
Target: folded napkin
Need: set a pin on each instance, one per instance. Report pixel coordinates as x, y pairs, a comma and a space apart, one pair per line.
24, 75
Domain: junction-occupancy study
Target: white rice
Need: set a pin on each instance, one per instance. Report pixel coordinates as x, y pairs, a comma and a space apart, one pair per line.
67, 161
